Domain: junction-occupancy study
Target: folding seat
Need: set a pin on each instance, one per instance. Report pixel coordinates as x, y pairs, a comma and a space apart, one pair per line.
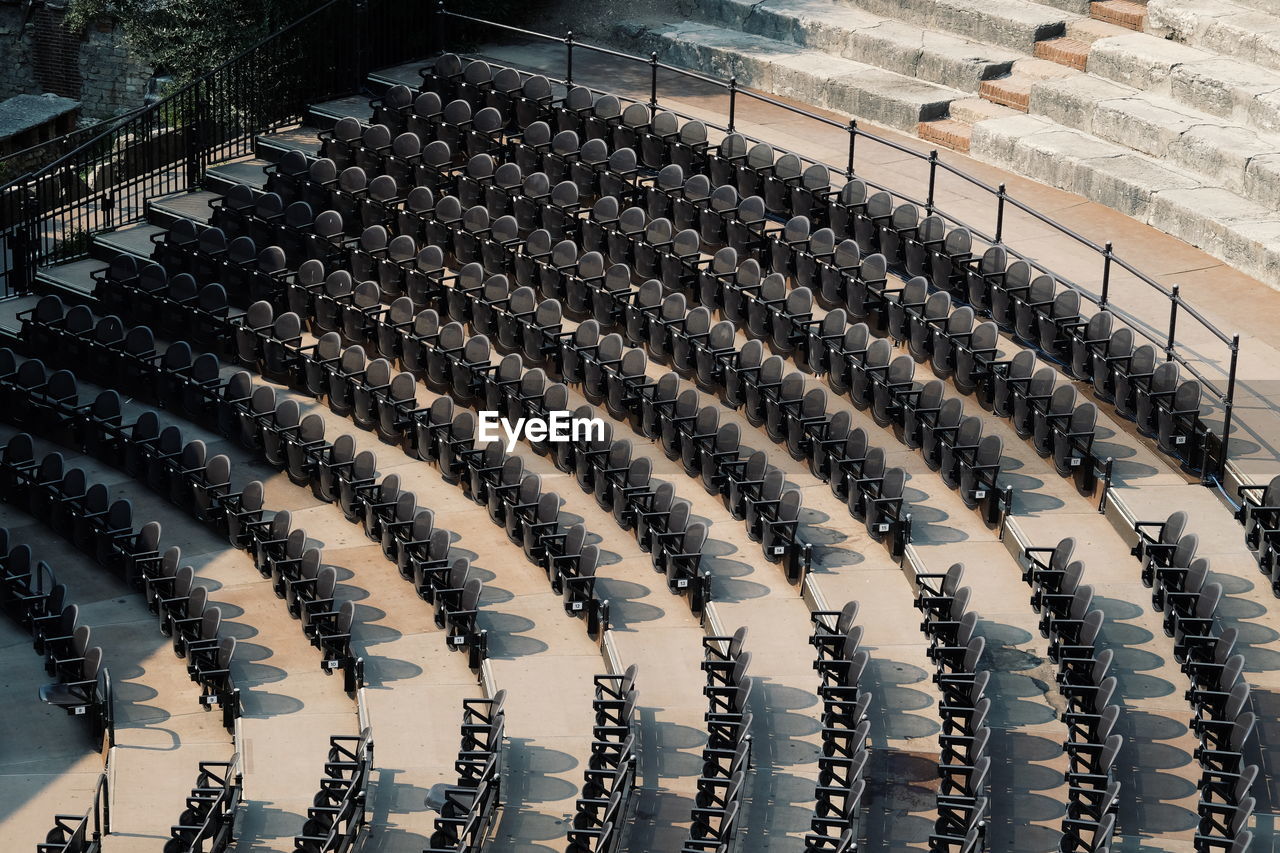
712, 355
979, 477
582, 165
790, 318
746, 228
341, 141
365, 391
496, 482
1051, 416
1001, 293
579, 587
453, 124
884, 511
713, 215
602, 219
874, 365
681, 559
1131, 377
889, 388
1029, 400
813, 263
533, 104
779, 535
1073, 446
287, 176
910, 300
80, 693
664, 321
696, 435
1030, 307
957, 449
342, 378
919, 244
759, 389
925, 327
623, 384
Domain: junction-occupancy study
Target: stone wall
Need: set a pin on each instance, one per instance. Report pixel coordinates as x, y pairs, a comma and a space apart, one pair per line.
95, 67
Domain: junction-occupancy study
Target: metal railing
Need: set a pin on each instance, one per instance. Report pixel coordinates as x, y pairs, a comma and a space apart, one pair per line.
50, 214
1165, 340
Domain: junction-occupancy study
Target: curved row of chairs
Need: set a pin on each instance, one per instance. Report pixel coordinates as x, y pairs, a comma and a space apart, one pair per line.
1011, 294
963, 766
203, 490
337, 813
726, 758
1259, 512
1219, 695
1071, 622
434, 433
608, 782
846, 731
468, 809
32, 596
208, 820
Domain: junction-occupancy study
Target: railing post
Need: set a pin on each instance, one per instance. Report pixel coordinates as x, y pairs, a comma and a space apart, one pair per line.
24, 244
653, 79
933, 177
1173, 323
1228, 404
733, 100
440, 40
360, 24
109, 209
1106, 276
195, 134
568, 58
853, 139
999, 235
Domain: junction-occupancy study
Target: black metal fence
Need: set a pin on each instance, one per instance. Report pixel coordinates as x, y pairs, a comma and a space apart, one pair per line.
1003, 205
50, 214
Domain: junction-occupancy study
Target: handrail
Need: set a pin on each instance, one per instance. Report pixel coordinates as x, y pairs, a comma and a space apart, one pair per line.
1166, 343
175, 95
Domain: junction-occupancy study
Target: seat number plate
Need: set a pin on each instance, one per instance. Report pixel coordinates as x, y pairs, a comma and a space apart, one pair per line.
683, 583
457, 641
1180, 439
331, 664
78, 710
1075, 461
882, 528
209, 700
979, 494
779, 550
577, 605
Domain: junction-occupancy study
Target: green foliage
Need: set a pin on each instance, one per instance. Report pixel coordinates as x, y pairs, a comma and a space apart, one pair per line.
188, 37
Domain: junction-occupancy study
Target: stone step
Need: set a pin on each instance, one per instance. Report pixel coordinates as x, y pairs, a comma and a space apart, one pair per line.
1224, 27
974, 110
856, 34
1066, 50
1122, 13
1013, 92
1235, 157
1221, 86
1214, 219
1014, 24
947, 132
812, 76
